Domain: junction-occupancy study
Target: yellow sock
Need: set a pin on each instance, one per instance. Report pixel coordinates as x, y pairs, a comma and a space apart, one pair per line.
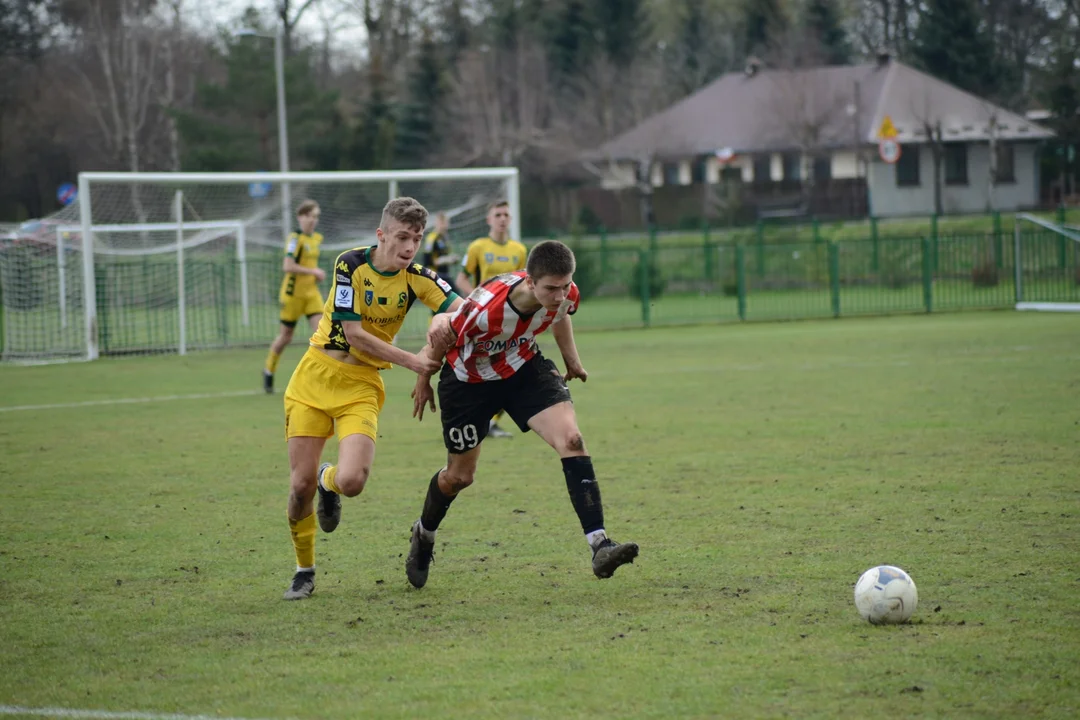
328, 479
272, 361
498, 417
303, 540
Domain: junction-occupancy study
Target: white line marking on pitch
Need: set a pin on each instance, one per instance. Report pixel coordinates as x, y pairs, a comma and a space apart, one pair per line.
129, 401
104, 714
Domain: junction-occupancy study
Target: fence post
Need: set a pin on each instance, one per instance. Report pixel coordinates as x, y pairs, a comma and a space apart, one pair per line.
816, 228
834, 277
1061, 214
927, 275
223, 304
934, 240
652, 239
709, 271
644, 261
998, 248
1018, 270
761, 248
740, 278
875, 258
603, 251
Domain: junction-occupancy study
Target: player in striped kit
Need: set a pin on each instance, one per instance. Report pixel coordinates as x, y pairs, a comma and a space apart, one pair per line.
494, 362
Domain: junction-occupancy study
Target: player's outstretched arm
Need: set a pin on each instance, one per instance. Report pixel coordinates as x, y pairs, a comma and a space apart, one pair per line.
564, 337
366, 342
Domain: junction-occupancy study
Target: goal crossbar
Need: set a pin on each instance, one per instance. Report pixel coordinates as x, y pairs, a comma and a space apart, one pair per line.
1066, 231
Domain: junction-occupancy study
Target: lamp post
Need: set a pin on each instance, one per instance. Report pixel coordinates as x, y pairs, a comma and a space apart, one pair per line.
283, 132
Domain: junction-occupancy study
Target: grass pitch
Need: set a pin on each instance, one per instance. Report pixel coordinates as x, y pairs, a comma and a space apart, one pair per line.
762, 468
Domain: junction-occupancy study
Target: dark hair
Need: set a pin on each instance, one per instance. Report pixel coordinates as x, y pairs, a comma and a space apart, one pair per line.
550, 257
405, 210
307, 207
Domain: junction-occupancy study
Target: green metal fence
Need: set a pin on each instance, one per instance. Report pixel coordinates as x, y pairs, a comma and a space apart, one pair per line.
624, 285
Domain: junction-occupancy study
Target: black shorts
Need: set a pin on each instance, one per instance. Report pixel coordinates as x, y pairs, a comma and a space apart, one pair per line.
467, 407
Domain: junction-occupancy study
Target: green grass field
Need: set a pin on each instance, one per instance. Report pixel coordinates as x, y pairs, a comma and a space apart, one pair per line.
761, 468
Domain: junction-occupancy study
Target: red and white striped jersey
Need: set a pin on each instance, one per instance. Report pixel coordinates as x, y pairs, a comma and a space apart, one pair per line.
493, 339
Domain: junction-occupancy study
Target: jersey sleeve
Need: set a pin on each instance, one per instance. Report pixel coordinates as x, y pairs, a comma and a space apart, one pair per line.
292, 245
471, 263
347, 285
575, 299
524, 256
430, 289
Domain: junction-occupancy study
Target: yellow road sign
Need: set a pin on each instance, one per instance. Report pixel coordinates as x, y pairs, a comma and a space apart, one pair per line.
887, 131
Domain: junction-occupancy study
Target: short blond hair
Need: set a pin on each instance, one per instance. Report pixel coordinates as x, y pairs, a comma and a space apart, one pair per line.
307, 207
405, 210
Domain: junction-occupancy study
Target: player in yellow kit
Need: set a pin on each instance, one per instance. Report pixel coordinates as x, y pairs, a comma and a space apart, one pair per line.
337, 386
486, 258
299, 294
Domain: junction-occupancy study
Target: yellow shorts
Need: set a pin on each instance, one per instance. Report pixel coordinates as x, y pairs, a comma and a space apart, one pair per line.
325, 394
294, 307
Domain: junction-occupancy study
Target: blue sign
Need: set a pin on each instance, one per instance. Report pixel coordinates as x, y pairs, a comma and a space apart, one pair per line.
259, 189
66, 194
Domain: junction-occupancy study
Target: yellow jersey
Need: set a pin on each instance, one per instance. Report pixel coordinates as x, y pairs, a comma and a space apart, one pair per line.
304, 250
378, 300
486, 258
435, 246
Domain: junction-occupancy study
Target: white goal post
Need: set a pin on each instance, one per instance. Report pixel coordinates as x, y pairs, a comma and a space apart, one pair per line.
1056, 255
171, 262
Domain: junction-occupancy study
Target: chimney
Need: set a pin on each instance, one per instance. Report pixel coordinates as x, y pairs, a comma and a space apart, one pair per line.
753, 64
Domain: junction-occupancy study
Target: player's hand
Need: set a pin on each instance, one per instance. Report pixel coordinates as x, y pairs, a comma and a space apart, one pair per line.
423, 364
440, 336
575, 371
319, 274
423, 396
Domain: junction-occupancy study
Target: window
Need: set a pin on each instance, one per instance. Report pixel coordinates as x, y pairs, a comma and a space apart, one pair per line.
822, 168
671, 173
792, 167
956, 170
762, 169
697, 170
1005, 170
731, 174
907, 167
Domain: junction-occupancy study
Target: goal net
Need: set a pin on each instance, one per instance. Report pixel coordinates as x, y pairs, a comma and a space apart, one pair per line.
1047, 265
186, 261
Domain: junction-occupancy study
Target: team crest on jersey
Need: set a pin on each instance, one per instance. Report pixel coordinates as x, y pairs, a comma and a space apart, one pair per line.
489, 258
401, 298
369, 295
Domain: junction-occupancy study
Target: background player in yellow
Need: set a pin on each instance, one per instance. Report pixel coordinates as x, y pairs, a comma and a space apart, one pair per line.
337, 386
438, 255
299, 294
487, 257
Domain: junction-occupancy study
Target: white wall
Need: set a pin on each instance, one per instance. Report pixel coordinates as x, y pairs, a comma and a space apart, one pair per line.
886, 199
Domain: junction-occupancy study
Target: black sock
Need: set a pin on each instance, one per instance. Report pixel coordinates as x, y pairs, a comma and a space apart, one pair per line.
584, 492
435, 505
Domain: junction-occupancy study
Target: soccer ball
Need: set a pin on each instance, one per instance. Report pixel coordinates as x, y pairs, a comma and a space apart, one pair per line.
886, 595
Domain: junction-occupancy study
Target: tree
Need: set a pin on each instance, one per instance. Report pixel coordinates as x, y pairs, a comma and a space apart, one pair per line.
571, 39
418, 126
885, 26
950, 44
1060, 91
764, 22
623, 28
233, 124
823, 24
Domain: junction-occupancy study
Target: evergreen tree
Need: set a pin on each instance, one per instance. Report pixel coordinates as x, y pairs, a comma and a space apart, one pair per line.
572, 39
623, 29
372, 146
417, 128
233, 126
823, 25
950, 44
764, 23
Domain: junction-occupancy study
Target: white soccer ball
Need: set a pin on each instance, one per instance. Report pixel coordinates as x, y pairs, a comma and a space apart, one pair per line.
886, 595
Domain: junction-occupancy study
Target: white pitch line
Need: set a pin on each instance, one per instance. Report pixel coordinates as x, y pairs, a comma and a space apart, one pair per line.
104, 714
128, 401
